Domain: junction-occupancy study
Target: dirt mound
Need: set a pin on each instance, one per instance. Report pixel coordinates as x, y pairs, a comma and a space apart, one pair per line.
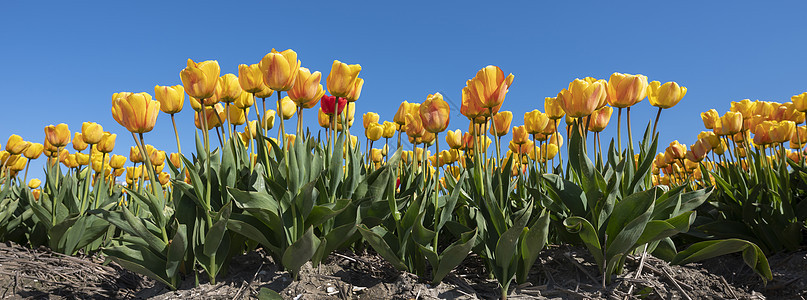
561, 272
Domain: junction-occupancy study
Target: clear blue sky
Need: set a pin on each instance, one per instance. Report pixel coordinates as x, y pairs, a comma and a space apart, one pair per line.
62, 61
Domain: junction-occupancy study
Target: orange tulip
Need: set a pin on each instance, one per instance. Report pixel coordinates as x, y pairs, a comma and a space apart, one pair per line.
137, 112
307, 89
471, 107
625, 90
489, 87
519, 135
435, 113
600, 119
200, 79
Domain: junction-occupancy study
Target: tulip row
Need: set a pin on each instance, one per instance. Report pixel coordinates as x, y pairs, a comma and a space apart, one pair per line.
301, 197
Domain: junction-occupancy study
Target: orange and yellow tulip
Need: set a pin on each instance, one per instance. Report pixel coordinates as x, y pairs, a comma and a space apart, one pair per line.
58, 135
582, 97
137, 112
342, 78
665, 95
307, 89
171, 98
279, 69
625, 90
200, 79
435, 113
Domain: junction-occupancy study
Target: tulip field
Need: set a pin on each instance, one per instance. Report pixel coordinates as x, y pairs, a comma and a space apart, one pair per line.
256, 178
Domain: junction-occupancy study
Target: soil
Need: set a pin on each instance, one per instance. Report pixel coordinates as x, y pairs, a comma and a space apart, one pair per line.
562, 272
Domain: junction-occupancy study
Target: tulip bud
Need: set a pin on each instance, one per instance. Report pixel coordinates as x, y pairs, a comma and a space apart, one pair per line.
323, 119
454, 139
58, 136
16, 145
82, 159
328, 103
288, 108
269, 119
213, 115
279, 69
107, 142
171, 98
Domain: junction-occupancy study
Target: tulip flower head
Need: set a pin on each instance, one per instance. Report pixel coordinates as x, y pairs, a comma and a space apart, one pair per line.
489, 87
250, 78
582, 97
171, 98
342, 79
800, 102
709, 118
137, 112
600, 119
435, 113
16, 145
78, 142
327, 104
58, 135
369, 118
229, 89
502, 120
389, 129
307, 89
625, 90
200, 79
665, 95
92, 132
280, 69
33, 151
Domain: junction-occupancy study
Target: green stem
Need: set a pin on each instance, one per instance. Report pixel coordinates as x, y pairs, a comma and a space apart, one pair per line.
630, 138
436, 187
619, 131
102, 174
658, 114
208, 172
282, 133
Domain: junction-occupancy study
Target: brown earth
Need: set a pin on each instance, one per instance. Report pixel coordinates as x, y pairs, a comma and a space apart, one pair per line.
562, 272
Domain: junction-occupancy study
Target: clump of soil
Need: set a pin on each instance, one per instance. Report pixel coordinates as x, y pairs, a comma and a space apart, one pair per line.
561, 272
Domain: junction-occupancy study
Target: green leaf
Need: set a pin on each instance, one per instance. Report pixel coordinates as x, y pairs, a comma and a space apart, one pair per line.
300, 251
176, 250
380, 245
531, 244
216, 233
628, 221
588, 234
752, 255
268, 294
140, 260
454, 255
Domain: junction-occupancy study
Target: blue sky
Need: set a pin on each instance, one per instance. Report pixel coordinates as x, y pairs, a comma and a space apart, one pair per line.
62, 62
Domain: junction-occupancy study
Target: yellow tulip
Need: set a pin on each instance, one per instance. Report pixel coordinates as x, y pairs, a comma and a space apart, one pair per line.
709, 118
676, 150
323, 119
33, 151
269, 119
171, 98
117, 161
471, 107
342, 79
369, 118
489, 87
157, 158
454, 139
137, 112
435, 113
746, 107
251, 129
58, 136
107, 142
246, 100
307, 89
91, 132
175, 159
400, 115
16, 145
290, 138
229, 89
250, 78
213, 116
553, 108
34, 183
665, 95
502, 120
389, 129
374, 131
781, 131
288, 107
535, 121
236, 115
800, 101
82, 159
625, 90
709, 138
600, 119
414, 125
279, 69
200, 80
582, 97
78, 142
729, 124
355, 92
698, 151
18, 163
